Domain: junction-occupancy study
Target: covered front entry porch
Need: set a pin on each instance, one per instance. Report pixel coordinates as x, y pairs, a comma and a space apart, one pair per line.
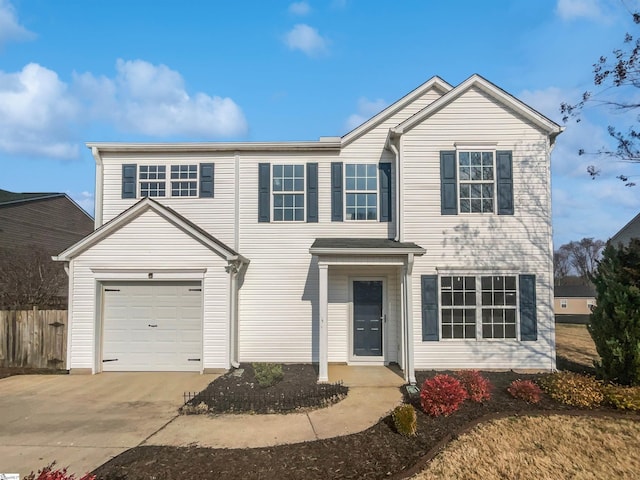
365, 305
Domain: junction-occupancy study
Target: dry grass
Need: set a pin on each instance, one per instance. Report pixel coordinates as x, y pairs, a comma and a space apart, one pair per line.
574, 346
542, 448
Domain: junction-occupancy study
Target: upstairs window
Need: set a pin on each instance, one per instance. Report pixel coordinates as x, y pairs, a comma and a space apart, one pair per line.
288, 193
361, 192
476, 182
184, 180
153, 180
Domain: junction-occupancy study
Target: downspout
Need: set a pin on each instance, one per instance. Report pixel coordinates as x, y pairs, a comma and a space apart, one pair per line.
233, 269
397, 195
98, 193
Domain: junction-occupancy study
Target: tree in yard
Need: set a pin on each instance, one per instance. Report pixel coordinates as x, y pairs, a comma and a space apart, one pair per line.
28, 278
615, 321
616, 79
579, 257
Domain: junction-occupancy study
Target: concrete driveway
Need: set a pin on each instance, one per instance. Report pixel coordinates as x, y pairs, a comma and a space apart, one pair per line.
81, 421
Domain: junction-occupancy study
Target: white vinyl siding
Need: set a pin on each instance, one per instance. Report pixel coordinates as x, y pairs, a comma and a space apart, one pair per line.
519, 243
150, 243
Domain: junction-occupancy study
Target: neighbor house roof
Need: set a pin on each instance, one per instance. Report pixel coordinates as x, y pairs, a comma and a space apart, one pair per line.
364, 245
168, 213
7, 197
626, 233
571, 291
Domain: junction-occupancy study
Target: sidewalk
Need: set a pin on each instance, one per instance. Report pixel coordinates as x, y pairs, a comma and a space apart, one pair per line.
373, 393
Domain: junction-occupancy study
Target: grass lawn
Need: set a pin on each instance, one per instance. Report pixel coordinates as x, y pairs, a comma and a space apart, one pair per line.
574, 348
542, 448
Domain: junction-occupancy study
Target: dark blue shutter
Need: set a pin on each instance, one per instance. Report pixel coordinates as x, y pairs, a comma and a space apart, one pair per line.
448, 184
129, 174
336, 191
429, 289
206, 180
264, 192
528, 317
312, 192
385, 191
504, 179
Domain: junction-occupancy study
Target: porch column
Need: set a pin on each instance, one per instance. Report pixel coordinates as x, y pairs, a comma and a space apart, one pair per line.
323, 298
410, 371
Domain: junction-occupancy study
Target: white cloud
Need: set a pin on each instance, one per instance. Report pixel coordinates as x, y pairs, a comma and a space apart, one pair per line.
152, 100
366, 109
306, 39
85, 199
37, 113
10, 29
299, 8
590, 9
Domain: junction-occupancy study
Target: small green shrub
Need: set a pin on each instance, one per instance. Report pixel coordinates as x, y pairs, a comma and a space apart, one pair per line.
478, 388
267, 374
623, 398
405, 420
573, 389
525, 390
442, 395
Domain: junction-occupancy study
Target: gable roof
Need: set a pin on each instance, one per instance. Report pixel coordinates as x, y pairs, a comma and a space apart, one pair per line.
433, 83
7, 197
495, 92
630, 230
168, 213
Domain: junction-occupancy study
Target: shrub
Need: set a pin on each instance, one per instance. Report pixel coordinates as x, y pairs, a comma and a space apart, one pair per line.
267, 374
199, 409
623, 398
442, 395
525, 390
615, 321
405, 420
478, 388
48, 473
573, 389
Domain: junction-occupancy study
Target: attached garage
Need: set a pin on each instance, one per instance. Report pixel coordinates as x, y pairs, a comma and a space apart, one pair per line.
152, 326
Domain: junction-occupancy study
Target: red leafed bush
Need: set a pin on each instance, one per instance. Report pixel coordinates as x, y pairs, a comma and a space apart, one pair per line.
442, 395
48, 473
478, 388
525, 390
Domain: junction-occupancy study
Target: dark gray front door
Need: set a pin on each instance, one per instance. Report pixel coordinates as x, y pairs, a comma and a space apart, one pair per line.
367, 318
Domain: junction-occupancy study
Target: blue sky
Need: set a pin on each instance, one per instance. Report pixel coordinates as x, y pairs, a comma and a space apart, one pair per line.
76, 71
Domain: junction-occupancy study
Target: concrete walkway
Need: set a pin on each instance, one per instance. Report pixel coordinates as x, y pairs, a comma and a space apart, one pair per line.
82, 421
373, 392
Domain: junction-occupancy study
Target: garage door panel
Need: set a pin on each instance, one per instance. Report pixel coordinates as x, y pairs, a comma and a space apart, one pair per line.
174, 311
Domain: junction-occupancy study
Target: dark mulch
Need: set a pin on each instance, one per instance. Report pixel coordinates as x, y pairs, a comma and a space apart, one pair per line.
378, 452
10, 371
238, 391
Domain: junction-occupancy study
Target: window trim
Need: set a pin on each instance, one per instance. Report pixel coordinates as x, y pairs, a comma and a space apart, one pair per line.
564, 303
461, 148
478, 276
346, 191
168, 187
273, 193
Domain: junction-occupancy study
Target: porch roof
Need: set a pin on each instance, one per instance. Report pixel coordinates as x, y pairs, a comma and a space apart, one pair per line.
363, 246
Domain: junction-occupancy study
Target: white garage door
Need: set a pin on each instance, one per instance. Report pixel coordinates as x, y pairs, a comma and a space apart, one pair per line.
152, 326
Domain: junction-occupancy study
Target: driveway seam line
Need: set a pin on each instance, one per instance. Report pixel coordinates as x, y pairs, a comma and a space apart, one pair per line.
312, 427
158, 430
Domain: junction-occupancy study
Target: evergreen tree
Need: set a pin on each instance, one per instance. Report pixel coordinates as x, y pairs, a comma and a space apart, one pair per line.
615, 321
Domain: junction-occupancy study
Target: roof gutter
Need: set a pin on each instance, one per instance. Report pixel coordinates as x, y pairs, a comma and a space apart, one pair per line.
367, 251
323, 145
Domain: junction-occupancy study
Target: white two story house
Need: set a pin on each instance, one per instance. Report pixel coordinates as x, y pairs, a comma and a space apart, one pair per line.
422, 238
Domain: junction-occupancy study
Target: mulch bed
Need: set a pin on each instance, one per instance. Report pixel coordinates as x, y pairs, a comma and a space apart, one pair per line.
378, 452
238, 391
11, 371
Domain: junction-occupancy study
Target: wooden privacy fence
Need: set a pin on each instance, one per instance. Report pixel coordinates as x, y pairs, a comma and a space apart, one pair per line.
33, 338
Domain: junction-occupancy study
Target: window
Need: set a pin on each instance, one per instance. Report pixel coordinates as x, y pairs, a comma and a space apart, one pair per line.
153, 180
563, 303
467, 301
476, 182
184, 180
361, 181
288, 193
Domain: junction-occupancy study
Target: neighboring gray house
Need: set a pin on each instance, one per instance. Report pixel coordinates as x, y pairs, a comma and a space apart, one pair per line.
629, 231
46, 222
422, 238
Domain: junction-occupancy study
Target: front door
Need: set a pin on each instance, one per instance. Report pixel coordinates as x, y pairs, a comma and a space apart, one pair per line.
367, 318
